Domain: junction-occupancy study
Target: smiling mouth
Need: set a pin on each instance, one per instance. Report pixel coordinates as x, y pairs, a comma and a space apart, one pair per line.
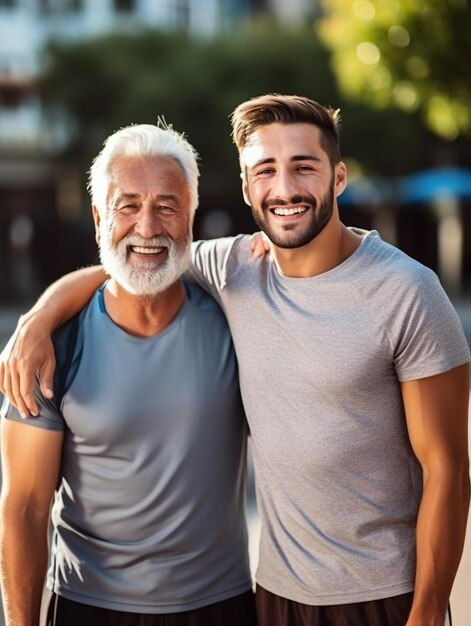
285, 211
147, 250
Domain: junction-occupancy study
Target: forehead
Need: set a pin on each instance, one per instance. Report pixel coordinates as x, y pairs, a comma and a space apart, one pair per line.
147, 175
281, 142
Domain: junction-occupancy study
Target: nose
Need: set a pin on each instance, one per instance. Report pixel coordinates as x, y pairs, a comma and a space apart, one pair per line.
284, 186
148, 224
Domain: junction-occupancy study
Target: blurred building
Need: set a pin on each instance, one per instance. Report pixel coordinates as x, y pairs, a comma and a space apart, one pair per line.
39, 199
36, 195
26, 25
294, 11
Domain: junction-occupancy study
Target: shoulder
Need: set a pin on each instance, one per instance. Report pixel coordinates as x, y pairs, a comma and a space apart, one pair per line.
203, 308
68, 343
400, 290
66, 335
198, 298
391, 269
63, 335
216, 261
205, 322
218, 252
407, 299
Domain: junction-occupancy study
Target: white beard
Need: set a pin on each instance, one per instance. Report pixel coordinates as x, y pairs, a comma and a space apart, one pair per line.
144, 278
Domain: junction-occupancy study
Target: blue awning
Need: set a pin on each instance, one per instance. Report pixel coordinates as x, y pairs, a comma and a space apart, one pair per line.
435, 183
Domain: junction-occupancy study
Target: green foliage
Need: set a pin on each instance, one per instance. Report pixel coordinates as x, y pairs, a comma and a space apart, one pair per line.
412, 54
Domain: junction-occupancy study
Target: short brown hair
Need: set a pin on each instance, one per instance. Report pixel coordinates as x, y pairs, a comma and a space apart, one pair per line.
271, 108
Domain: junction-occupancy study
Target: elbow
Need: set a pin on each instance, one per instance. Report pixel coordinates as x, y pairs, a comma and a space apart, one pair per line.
450, 476
17, 511
461, 485
466, 487
462, 477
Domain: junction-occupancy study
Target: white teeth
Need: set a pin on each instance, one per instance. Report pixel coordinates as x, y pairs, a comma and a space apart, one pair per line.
141, 250
294, 211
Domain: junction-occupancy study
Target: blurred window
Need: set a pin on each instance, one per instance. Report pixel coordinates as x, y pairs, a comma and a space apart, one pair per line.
15, 87
125, 6
47, 7
182, 13
10, 96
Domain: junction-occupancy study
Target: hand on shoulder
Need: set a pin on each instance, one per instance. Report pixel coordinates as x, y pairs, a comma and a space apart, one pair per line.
28, 351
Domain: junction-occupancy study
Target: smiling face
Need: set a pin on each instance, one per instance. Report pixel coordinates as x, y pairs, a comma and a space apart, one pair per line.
289, 182
144, 233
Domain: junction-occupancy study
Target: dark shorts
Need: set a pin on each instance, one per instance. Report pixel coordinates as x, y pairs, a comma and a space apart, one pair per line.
236, 611
273, 610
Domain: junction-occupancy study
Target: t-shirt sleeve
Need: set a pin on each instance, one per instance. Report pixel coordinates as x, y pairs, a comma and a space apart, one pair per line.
209, 261
49, 418
430, 338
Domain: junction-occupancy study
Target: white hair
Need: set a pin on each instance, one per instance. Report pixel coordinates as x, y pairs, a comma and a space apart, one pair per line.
143, 140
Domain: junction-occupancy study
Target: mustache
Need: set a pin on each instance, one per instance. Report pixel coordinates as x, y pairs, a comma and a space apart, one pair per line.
136, 240
271, 202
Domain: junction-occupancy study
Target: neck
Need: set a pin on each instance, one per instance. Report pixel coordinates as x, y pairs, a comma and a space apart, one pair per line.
143, 316
330, 248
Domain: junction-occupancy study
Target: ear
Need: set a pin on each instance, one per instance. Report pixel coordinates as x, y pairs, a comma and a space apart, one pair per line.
96, 220
340, 178
245, 189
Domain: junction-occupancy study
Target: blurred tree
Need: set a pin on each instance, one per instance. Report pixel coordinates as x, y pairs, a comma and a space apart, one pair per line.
412, 54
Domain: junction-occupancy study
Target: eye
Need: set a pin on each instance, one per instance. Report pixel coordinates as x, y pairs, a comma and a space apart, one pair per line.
167, 210
128, 209
265, 172
305, 168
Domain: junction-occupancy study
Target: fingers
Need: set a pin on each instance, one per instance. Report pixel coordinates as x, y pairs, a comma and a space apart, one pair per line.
259, 245
14, 394
4, 370
23, 381
26, 375
9, 379
2, 376
19, 362
9, 372
46, 376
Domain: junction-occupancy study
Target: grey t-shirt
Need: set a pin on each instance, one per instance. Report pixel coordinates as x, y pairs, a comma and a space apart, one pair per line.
149, 516
320, 365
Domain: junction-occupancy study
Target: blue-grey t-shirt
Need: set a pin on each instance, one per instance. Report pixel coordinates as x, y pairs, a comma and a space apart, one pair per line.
149, 513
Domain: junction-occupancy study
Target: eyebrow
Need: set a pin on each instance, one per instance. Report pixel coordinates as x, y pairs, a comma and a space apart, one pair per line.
126, 196
296, 157
136, 196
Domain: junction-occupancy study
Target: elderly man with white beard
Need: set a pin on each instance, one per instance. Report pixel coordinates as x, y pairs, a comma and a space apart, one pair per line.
142, 447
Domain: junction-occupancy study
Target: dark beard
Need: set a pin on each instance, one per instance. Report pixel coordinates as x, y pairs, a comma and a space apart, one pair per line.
298, 239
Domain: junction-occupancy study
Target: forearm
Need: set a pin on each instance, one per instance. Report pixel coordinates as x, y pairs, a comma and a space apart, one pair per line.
441, 528
65, 298
23, 558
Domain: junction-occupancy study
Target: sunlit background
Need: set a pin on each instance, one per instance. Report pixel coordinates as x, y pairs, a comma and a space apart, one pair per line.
73, 71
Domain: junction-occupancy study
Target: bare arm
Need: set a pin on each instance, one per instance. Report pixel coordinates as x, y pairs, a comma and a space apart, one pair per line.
437, 415
30, 347
30, 466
